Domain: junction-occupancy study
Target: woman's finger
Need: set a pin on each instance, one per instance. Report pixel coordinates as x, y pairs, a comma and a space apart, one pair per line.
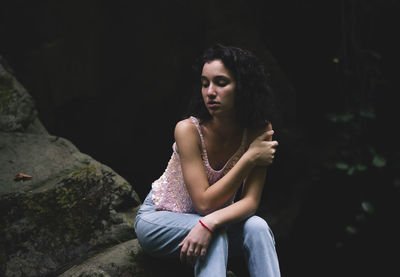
203, 252
196, 253
269, 126
266, 136
182, 255
190, 255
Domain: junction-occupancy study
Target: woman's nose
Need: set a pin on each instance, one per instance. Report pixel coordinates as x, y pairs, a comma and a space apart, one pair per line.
211, 90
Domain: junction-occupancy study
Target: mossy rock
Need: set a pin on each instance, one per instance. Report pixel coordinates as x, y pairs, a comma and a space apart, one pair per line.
72, 207
17, 107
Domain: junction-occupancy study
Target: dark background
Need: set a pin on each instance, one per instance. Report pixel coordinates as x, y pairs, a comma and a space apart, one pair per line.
114, 77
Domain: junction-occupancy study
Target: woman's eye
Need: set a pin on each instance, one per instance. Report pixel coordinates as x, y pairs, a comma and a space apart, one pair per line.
204, 84
221, 81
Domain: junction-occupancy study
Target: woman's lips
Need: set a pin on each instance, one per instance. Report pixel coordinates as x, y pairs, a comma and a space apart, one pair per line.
213, 105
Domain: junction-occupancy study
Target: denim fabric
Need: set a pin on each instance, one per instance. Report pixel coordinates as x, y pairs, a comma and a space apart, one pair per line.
160, 232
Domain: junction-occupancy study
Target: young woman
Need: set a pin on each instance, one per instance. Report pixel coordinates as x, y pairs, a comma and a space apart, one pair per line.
226, 144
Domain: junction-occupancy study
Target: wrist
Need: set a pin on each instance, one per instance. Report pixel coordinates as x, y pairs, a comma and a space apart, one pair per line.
206, 227
250, 157
210, 222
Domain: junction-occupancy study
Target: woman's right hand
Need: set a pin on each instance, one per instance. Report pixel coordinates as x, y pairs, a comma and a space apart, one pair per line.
262, 149
195, 244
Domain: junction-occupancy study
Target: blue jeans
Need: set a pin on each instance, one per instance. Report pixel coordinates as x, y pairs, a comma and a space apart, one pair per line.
160, 232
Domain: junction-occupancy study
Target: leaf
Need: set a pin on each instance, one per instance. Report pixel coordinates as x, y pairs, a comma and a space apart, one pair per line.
379, 161
344, 117
361, 167
367, 113
22, 177
341, 165
351, 170
351, 229
367, 207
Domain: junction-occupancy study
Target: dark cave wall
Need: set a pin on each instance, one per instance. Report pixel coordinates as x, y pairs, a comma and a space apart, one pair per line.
114, 77
98, 68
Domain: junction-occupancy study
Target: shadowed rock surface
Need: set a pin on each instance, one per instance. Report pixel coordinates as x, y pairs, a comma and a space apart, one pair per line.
128, 260
66, 208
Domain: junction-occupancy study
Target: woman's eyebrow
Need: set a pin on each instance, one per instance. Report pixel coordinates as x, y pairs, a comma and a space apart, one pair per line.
202, 77
222, 77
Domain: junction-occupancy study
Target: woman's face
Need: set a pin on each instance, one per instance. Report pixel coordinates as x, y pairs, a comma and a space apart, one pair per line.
218, 88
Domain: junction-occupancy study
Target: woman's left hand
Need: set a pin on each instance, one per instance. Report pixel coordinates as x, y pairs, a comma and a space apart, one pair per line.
195, 244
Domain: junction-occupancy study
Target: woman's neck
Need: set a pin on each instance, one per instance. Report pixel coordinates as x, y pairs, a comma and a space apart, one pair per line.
224, 127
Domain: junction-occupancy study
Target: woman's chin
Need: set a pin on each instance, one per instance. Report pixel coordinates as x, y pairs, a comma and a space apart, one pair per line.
214, 112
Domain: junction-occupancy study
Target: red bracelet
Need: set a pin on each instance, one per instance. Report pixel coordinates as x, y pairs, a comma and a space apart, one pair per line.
205, 226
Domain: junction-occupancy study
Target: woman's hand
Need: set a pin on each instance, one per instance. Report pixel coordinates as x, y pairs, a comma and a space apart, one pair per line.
263, 148
195, 244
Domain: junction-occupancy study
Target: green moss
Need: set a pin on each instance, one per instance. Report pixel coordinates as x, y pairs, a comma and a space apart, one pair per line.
125, 186
76, 207
84, 173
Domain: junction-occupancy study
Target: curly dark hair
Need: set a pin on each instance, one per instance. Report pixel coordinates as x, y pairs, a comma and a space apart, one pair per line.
254, 98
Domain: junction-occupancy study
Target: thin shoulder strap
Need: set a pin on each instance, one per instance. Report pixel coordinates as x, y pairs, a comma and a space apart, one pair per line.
197, 124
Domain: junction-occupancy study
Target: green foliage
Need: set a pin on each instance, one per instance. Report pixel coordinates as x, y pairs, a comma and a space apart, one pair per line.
356, 151
360, 170
351, 229
367, 207
356, 162
379, 161
342, 117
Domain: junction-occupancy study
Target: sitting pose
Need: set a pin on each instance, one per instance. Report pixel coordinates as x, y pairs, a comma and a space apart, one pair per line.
224, 145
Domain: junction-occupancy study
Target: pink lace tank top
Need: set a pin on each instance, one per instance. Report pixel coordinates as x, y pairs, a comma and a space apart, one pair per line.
169, 192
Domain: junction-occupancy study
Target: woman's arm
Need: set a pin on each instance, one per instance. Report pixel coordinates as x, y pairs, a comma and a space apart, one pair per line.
245, 207
199, 237
196, 242
207, 198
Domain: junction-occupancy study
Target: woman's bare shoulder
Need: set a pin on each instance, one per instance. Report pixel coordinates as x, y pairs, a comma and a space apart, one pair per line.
185, 126
185, 131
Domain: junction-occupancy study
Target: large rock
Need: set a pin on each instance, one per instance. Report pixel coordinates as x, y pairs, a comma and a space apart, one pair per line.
17, 107
118, 260
128, 260
66, 207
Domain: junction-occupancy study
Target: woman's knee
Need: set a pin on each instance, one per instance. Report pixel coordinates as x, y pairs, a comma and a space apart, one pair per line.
220, 238
216, 257
142, 230
159, 233
158, 240
256, 226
